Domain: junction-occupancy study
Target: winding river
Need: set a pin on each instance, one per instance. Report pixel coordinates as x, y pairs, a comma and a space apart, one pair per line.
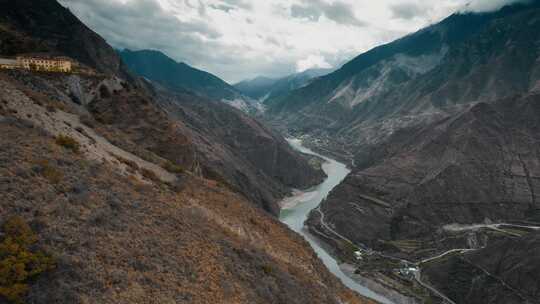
297, 208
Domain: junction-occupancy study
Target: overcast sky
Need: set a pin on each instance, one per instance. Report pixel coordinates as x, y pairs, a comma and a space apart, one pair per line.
241, 39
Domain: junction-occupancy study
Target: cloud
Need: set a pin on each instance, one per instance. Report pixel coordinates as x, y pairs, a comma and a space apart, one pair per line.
309, 12
340, 12
241, 39
480, 6
311, 62
407, 11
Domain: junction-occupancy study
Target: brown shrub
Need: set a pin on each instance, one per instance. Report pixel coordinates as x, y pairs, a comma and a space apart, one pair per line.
68, 142
53, 175
19, 264
149, 174
172, 168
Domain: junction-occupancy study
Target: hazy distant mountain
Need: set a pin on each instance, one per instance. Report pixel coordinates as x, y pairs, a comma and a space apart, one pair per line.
264, 88
157, 67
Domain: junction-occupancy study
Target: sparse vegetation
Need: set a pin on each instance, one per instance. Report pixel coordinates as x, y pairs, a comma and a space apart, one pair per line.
19, 262
68, 142
268, 270
149, 174
131, 164
172, 168
53, 175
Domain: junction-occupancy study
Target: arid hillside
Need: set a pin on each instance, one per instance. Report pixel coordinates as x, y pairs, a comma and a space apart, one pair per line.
117, 238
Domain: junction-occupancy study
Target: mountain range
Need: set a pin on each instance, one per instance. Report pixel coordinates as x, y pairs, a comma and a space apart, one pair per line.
157, 67
435, 72
147, 181
264, 88
441, 130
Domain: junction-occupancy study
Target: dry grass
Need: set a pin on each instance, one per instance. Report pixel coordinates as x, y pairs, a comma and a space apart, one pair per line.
68, 142
172, 168
50, 173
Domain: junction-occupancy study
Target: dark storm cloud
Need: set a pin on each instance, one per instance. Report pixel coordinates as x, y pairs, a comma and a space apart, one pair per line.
339, 12
407, 11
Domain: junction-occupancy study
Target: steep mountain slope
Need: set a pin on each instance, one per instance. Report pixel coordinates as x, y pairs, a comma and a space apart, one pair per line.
210, 138
263, 88
157, 67
257, 87
120, 191
118, 239
262, 183
504, 272
441, 187
464, 59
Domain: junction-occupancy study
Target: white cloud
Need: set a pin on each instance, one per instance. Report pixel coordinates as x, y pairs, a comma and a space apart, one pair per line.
240, 39
489, 5
312, 61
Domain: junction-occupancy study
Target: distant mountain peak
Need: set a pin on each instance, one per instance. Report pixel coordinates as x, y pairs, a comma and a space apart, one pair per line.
158, 67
